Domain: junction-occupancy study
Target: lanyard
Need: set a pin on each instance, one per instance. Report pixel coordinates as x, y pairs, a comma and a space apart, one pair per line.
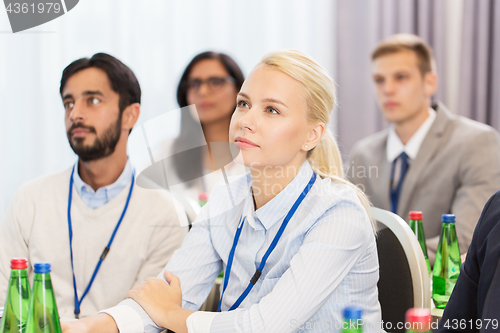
106, 249
259, 270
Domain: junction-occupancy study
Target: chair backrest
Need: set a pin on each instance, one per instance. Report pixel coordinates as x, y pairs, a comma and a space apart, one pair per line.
191, 207
404, 279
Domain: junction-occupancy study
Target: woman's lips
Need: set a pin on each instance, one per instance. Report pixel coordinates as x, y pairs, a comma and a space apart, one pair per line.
245, 143
206, 105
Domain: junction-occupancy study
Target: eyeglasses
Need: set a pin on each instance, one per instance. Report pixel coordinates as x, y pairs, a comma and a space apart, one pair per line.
213, 83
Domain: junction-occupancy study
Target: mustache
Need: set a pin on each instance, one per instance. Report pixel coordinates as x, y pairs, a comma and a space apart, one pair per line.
75, 126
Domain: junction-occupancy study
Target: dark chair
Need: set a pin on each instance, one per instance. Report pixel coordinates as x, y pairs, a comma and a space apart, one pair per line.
404, 279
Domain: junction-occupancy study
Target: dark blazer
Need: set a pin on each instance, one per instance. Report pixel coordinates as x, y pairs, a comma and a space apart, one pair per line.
456, 170
476, 296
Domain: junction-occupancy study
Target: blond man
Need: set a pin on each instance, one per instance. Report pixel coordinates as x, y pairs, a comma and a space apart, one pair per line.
429, 159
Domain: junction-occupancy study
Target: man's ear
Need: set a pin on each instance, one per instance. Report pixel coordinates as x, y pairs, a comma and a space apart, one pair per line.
130, 116
315, 135
430, 84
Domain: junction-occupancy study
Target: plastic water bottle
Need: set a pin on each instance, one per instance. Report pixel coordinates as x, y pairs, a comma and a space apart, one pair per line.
418, 230
418, 321
447, 264
43, 316
353, 322
18, 295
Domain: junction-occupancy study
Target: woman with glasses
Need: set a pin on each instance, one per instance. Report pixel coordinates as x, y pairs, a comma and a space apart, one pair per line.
210, 82
208, 85
293, 235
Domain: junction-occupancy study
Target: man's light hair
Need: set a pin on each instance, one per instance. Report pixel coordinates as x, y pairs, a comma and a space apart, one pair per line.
408, 42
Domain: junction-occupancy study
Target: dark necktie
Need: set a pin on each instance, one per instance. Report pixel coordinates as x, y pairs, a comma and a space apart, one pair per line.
396, 191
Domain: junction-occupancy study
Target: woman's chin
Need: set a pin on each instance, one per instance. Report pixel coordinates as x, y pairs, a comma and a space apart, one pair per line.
240, 159
246, 159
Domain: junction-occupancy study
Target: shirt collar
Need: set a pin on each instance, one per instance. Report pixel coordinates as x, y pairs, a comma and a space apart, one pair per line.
395, 147
278, 207
110, 191
251, 216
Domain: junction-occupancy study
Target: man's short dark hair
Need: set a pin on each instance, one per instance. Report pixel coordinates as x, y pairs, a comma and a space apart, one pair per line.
121, 78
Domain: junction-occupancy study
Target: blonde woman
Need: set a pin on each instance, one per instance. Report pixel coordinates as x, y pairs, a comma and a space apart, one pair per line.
293, 236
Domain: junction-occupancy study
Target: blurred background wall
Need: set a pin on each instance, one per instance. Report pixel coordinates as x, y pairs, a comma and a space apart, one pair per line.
157, 38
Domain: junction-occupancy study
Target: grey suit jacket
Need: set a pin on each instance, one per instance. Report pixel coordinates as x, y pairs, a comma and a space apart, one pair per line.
456, 170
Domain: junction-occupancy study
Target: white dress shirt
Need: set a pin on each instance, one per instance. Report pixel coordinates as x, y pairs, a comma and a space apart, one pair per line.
395, 147
325, 261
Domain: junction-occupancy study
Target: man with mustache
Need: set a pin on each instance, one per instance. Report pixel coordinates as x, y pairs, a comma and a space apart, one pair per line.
429, 159
101, 233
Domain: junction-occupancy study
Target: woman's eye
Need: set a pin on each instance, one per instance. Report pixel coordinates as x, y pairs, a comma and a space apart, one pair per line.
272, 110
242, 104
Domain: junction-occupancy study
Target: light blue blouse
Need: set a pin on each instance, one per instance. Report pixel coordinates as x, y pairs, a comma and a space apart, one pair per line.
325, 260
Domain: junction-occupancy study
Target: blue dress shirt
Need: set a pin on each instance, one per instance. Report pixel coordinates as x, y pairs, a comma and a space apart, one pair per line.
325, 260
95, 199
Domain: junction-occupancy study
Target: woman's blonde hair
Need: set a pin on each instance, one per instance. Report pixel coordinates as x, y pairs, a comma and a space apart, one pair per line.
319, 91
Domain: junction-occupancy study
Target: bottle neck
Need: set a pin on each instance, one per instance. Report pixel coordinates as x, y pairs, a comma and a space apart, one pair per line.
41, 278
448, 226
43, 308
414, 223
418, 229
18, 273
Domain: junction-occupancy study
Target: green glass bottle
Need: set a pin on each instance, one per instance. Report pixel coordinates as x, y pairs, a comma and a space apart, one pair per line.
43, 316
418, 230
202, 199
447, 264
18, 296
418, 321
353, 322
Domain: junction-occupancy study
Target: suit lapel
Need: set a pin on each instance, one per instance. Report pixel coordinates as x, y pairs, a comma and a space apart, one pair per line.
430, 145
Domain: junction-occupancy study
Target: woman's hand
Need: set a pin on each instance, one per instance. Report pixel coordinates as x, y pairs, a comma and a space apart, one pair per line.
158, 298
73, 327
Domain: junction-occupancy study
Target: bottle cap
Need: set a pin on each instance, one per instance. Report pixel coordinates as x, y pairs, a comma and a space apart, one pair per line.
419, 315
19, 263
448, 218
353, 312
416, 215
42, 267
203, 196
